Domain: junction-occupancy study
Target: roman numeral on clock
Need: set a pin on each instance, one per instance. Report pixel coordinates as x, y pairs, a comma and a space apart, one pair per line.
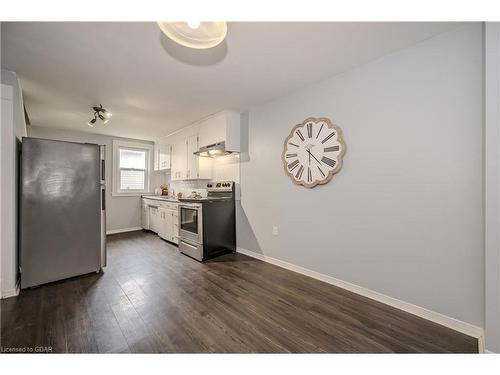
310, 130
293, 144
299, 133
319, 131
332, 148
298, 176
328, 137
291, 155
309, 174
328, 161
293, 165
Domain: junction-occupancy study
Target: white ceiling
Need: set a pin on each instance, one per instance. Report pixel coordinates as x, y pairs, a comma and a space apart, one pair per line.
154, 87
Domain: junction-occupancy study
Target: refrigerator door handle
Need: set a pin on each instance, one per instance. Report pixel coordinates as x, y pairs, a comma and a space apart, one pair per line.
102, 151
104, 251
103, 199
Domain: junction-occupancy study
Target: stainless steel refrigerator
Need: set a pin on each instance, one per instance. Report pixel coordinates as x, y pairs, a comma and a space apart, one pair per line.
63, 217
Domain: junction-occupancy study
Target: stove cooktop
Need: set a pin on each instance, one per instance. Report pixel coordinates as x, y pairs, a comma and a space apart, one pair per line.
217, 191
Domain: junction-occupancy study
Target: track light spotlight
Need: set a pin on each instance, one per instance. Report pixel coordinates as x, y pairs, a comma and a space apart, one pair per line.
92, 122
100, 112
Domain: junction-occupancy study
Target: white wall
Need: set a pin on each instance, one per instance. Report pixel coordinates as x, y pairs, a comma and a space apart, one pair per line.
404, 216
121, 212
13, 128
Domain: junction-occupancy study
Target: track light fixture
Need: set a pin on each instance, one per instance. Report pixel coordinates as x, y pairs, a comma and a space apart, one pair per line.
100, 112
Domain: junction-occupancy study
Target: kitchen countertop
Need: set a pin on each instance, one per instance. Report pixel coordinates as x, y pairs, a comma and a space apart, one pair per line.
162, 198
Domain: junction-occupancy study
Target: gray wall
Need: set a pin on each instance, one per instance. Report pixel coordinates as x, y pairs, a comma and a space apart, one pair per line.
492, 182
121, 212
404, 216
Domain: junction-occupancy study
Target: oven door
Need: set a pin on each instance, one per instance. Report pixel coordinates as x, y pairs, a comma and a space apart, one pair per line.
190, 222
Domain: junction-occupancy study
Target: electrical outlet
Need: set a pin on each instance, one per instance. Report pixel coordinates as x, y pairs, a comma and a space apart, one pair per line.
275, 230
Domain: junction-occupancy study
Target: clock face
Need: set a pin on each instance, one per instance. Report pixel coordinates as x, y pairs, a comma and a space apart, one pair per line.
313, 151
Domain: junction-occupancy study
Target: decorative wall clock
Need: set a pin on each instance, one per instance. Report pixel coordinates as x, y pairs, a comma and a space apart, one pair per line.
313, 152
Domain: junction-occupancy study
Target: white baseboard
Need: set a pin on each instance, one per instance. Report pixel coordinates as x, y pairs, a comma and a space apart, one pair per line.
123, 230
10, 293
455, 324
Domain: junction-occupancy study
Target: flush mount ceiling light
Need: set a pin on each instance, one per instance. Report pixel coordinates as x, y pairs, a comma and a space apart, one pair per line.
193, 34
100, 112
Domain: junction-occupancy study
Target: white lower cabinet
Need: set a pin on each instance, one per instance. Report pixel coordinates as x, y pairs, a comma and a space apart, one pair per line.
145, 216
171, 232
153, 219
161, 218
168, 224
175, 225
163, 227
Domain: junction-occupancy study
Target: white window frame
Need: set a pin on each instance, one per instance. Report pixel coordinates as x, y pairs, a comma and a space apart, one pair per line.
116, 170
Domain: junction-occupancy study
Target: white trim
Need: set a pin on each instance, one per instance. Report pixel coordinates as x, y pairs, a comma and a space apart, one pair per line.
7, 92
115, 192
123, 230
10, 293
455, 324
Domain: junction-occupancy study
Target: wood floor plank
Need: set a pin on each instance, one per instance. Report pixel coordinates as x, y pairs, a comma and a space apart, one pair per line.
152, 299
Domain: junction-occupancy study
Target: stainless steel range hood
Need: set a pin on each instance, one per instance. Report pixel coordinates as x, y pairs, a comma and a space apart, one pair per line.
213, 150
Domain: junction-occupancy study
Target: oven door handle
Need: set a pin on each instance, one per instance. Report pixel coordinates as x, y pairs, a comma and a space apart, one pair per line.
190, 206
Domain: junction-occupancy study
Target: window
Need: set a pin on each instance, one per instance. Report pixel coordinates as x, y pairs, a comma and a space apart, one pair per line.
131, 167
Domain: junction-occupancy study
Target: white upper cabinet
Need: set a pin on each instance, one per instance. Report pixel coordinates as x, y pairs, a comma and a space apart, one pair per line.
192, 160
221, 127
179, 160
156, 156
162, 156
186, 165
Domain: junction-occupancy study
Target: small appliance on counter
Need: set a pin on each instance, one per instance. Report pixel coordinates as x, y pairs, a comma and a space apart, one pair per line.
164, 189
207, 225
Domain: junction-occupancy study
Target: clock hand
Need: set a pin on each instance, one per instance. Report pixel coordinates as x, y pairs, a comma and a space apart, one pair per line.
310, 154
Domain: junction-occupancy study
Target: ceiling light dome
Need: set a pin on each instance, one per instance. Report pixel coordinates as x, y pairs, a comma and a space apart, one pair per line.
193, 34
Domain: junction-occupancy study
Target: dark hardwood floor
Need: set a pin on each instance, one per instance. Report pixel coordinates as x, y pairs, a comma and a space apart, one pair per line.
152, 299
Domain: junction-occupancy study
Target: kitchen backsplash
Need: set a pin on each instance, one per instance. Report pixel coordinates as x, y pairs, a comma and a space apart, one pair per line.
187, 187
224, 168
